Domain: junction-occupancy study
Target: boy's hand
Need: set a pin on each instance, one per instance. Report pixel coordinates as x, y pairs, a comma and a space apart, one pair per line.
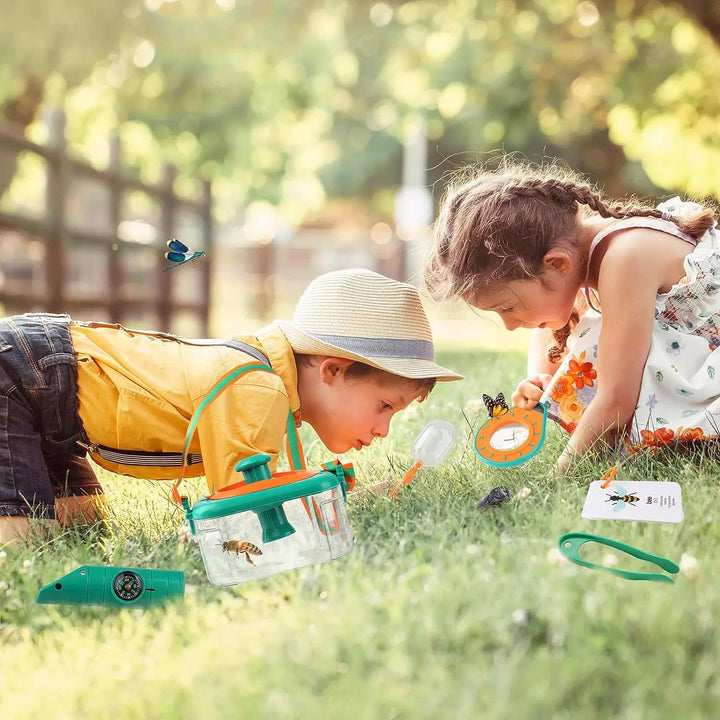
529, 391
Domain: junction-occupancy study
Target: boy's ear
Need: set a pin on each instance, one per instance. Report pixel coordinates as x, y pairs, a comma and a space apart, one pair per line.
333, 368
558, 259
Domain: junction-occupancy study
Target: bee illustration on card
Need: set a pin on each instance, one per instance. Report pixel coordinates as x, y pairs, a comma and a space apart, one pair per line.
179, 253
620, 497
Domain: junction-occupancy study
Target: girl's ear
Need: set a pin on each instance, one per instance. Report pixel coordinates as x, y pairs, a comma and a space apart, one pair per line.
333, 368
559, 260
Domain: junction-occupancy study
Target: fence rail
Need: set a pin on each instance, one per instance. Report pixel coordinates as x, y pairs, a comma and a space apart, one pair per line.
89, 250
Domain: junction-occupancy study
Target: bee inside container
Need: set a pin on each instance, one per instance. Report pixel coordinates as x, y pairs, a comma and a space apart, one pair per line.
269, 524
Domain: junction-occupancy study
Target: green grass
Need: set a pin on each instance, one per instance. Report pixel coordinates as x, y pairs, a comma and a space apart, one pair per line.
440, 611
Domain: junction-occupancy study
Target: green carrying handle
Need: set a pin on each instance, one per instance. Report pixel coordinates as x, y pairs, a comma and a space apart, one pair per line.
570, 544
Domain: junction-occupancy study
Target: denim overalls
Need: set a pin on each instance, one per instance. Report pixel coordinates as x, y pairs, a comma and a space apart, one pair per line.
39, 422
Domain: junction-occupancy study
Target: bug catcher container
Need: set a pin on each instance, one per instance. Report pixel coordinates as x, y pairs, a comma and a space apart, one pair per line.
269, 523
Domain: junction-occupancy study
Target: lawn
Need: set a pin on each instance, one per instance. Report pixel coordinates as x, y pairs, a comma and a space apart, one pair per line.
440, 611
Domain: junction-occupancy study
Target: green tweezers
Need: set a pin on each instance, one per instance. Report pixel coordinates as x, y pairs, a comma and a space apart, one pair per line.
570, 544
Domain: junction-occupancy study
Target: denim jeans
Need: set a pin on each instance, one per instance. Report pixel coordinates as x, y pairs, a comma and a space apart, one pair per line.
39, 422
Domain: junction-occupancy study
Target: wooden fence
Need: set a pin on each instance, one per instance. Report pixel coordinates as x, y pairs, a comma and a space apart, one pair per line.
95, 246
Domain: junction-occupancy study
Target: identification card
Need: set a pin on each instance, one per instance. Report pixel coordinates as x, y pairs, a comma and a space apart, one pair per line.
642, 500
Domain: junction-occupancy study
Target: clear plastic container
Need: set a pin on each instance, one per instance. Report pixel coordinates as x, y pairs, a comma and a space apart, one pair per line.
270, 523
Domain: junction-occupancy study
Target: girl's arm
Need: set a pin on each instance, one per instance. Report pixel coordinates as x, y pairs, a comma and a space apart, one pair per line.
629, 279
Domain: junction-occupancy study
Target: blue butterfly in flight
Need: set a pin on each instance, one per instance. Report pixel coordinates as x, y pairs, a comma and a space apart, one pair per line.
179, 253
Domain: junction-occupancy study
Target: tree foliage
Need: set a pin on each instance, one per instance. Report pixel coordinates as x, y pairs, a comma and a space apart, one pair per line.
289, 102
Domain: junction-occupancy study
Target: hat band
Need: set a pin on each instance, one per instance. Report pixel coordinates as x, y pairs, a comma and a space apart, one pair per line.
381, 347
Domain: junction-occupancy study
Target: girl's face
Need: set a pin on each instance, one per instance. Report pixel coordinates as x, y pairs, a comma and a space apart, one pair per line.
532, 303
352, 412
543, 302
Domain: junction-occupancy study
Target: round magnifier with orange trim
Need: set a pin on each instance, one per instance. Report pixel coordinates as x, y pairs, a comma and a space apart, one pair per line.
512, 438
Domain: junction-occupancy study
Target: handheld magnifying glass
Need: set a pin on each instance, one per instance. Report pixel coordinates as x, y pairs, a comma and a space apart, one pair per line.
432, 445
511, 438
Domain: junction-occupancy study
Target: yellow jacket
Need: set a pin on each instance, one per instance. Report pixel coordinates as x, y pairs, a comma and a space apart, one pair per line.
137, 392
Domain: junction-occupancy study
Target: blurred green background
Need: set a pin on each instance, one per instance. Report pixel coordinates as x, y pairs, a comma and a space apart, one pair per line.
328, 129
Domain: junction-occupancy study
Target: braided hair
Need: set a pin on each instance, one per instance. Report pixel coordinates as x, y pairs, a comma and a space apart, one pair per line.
499, 225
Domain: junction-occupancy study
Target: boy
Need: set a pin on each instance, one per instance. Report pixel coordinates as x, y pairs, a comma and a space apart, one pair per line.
359, 349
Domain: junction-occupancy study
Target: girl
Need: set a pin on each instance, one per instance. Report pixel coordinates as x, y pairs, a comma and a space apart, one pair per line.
643, 347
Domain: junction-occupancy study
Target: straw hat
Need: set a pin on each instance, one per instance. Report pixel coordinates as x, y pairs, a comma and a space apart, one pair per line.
360, 315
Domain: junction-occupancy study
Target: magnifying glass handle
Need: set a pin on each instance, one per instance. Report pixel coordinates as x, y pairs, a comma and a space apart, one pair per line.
409, 475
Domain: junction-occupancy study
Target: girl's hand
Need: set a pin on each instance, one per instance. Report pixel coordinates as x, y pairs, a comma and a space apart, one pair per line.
529, 391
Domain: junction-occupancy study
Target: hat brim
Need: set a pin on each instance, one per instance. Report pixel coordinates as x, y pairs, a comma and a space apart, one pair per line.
411, 368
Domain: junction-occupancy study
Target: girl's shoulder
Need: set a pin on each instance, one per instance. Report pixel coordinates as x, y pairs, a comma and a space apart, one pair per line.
645, 240
640, 223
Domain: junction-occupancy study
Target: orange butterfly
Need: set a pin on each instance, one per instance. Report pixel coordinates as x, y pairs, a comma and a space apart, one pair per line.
496, 407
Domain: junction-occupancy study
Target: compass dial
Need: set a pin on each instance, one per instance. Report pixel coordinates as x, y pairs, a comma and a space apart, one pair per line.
128, 585
509, 437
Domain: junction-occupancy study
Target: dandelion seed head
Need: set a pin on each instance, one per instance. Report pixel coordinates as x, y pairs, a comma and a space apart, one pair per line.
689, 566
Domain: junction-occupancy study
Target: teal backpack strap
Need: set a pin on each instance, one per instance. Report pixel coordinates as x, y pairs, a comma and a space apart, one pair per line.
216, 390
293, 445
219, 387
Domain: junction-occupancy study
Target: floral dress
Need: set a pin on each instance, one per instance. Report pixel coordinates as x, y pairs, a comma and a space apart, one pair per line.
680, 394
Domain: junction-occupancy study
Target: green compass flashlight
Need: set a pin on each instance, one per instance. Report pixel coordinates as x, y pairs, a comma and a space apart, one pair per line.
114, 587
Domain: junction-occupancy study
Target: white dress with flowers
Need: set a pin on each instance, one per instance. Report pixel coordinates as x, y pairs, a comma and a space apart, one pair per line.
680, 393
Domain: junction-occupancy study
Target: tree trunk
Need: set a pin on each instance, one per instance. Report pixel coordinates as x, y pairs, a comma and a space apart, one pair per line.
18, 113
707, 14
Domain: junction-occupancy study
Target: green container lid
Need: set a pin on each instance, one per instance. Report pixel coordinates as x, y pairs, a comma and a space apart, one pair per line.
262, 500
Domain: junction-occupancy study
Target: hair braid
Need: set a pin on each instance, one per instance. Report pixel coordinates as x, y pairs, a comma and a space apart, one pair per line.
498, 226
695, 225
551, 191
557, 347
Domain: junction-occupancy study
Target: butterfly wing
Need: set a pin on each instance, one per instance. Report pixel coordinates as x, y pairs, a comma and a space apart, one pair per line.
489, 403
501, 407
176, 257
496, 407
177, 246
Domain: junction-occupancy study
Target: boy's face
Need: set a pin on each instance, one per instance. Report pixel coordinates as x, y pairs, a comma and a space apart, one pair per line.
350, 412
